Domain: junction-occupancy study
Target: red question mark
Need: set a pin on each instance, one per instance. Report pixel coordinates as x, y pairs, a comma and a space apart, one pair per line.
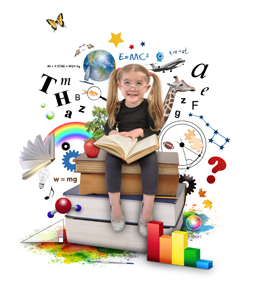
219, 167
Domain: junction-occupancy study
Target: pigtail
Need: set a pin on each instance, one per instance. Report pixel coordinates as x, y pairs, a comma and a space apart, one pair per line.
156, 109
112, 105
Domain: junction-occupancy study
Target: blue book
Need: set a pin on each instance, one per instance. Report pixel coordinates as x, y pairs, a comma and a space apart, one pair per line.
97, 207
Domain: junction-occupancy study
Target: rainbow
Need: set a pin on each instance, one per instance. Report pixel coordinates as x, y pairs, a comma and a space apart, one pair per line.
69, 131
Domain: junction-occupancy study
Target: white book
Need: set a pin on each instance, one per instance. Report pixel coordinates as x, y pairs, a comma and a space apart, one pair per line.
37, 155
101, 234
97, 207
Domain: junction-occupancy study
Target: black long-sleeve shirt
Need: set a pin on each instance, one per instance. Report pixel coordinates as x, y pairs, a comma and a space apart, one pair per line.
128, 119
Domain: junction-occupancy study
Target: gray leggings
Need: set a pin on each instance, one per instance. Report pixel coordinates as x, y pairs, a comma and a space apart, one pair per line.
149, 172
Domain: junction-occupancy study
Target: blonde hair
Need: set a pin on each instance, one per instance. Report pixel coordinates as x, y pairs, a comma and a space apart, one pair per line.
155, 105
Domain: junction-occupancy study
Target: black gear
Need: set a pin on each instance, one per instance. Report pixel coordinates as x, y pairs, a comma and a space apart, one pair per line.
65, 146
191, 182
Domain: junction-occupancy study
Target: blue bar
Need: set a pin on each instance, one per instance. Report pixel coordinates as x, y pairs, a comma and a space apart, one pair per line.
204, 264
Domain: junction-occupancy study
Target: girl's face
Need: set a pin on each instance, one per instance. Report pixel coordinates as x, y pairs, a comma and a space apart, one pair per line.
133, 87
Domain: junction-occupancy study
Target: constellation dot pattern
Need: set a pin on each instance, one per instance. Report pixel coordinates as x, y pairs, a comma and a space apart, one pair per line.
215, 132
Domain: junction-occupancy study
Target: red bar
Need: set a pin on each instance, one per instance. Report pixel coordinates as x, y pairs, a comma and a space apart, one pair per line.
154, 231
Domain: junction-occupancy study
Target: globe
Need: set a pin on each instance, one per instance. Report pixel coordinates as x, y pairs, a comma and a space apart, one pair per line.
98, 65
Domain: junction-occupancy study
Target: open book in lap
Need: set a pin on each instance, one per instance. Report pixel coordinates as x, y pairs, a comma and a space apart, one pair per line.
124, 148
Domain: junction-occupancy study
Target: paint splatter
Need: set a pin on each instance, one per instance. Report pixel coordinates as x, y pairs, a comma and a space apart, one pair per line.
68, 253
207, 224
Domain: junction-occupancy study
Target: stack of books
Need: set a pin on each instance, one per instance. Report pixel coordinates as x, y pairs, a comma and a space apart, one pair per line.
92, 178
92, 225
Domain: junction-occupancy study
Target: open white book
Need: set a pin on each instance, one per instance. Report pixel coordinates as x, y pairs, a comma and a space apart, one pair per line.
37, 155
124, 148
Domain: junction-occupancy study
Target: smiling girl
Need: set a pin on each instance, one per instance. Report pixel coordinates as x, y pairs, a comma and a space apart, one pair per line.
135, 117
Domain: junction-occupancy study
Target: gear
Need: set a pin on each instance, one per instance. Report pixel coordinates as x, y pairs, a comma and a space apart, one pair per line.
65, 146
66, 160
190, 181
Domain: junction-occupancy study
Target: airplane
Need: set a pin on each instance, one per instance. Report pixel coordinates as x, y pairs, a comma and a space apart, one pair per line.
169, 66
86, 77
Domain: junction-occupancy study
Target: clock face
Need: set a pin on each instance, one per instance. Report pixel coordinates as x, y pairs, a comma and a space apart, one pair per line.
185, 138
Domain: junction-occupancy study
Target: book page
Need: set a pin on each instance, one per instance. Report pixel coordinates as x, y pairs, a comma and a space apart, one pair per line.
31, 149
33, 171
49, 145
39, 144
46, 145
29, 164
113, 149
29, 152
125, 142
25, 156
110, 146
52, 146
144, 144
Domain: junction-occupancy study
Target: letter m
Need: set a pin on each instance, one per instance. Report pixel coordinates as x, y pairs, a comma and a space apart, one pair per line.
132, 57
65, 80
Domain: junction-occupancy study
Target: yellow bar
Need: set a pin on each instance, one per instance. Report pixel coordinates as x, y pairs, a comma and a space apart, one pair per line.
179, 243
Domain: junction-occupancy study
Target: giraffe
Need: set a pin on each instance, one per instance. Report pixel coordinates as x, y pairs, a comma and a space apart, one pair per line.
177, 85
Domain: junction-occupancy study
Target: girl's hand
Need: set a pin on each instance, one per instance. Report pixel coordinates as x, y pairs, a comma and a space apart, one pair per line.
133, 133
113, 132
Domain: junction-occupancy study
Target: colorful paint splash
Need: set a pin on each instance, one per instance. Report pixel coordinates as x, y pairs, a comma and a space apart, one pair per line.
69, 131
68, 253
207, 225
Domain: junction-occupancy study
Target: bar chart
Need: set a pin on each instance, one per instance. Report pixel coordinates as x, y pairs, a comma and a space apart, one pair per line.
172, 249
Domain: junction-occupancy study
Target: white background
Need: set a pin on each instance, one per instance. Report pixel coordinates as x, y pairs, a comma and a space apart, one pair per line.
221, 34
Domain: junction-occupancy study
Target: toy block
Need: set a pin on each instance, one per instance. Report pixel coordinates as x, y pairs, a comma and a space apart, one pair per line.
154, 231
204, 264
191, 256
179, 243
165, 249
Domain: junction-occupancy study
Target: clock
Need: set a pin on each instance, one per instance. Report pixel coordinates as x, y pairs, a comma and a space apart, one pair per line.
185, 138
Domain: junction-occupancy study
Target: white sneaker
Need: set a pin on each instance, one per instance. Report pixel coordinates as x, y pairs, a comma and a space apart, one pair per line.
117, 226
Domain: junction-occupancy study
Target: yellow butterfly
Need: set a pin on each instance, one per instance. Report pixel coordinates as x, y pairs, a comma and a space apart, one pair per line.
59, 21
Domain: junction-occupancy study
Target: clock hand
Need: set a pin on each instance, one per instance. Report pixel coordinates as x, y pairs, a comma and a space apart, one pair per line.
182, 145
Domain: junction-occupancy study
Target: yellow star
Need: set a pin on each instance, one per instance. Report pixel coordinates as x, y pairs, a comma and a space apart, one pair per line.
116, 39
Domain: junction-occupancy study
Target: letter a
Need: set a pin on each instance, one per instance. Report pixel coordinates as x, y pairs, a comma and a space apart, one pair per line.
68, 114
202, 74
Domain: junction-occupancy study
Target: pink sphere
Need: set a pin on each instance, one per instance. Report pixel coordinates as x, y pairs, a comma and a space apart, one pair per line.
63, 205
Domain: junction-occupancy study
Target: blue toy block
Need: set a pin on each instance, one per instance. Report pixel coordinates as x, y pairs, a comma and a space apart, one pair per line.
204, 264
